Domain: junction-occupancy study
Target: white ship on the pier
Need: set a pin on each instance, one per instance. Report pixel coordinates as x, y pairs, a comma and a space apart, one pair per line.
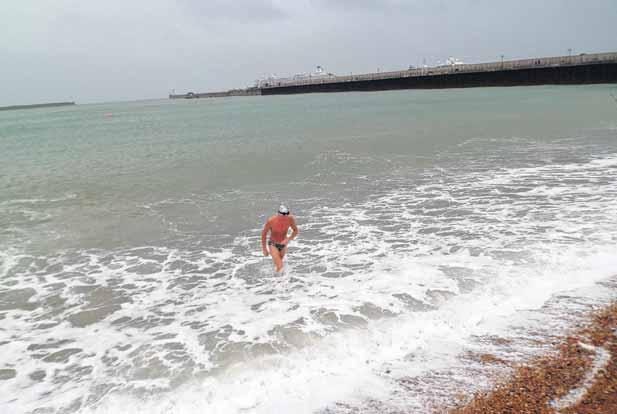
451, 61
273, 80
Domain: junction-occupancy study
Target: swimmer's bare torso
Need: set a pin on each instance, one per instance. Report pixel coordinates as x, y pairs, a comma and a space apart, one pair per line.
278, 227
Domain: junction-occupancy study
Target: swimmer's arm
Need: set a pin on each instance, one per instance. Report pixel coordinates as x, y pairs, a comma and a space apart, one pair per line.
294, 232
264, 234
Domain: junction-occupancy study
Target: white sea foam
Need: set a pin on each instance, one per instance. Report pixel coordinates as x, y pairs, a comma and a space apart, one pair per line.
26, 201
601, 358
350, 365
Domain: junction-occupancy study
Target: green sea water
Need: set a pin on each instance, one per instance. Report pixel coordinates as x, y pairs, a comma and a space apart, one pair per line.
111, 160
131, 273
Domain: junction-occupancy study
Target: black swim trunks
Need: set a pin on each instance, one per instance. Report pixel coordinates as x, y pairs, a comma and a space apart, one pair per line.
279, 246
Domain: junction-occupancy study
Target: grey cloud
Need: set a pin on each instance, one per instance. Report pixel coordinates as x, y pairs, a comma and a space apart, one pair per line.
384, 6
102, 51
246, 11
351, 4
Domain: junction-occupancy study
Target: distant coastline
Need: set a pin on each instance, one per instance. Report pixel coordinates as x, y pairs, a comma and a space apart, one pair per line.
34, 106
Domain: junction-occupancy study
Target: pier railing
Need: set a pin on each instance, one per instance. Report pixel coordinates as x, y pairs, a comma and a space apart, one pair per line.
575, 60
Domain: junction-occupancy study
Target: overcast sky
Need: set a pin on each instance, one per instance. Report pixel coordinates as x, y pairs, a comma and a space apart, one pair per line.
108, 50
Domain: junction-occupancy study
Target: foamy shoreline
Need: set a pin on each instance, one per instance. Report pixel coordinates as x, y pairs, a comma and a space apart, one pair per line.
579, 377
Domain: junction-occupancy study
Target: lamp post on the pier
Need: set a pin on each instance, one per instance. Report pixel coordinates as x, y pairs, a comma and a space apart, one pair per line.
502, 61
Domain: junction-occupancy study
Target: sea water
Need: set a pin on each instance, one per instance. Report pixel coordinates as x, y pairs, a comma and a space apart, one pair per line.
433, 224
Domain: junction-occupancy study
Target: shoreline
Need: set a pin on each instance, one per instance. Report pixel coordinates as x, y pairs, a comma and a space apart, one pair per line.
579, 376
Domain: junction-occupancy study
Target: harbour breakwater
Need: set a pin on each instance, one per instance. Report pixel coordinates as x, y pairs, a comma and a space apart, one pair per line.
34, 106
222, 94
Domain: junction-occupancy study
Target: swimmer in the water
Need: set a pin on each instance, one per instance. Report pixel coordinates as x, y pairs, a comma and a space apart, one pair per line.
278, 227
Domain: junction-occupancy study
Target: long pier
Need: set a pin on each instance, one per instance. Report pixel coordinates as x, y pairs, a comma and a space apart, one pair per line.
578, 69
560, 70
